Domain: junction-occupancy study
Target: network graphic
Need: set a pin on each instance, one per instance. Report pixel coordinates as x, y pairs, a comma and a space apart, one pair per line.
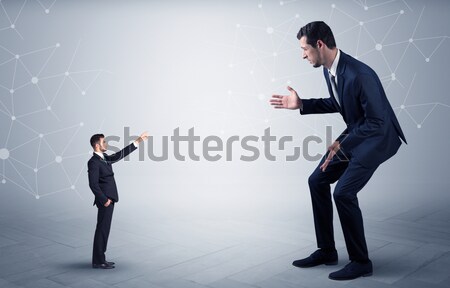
30, 157
264, 57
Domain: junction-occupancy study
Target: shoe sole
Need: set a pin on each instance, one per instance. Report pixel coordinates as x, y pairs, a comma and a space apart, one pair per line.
344, 279
327, 264
112, 267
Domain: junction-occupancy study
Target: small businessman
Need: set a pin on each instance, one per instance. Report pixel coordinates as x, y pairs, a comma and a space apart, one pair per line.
103, 185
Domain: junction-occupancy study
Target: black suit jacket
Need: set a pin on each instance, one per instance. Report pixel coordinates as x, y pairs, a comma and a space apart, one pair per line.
101, 175
373, 133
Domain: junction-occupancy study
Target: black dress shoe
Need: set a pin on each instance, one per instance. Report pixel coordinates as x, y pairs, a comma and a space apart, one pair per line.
317, 258
110, 263
103, 266
353, 270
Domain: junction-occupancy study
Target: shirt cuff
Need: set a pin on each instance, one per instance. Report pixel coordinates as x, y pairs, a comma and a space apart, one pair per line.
135, 144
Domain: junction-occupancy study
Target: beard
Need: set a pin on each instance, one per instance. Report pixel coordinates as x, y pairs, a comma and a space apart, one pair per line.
316, 65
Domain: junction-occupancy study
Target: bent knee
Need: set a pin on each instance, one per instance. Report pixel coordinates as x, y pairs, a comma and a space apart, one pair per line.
343, 196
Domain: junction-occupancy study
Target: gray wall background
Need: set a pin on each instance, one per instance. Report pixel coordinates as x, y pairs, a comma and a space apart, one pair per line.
212, 65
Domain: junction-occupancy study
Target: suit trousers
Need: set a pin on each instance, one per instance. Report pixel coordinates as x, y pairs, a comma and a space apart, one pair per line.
104, 217
352, 178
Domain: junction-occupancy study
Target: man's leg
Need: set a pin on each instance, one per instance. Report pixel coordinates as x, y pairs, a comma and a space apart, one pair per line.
319, 185
352, 181
104, 217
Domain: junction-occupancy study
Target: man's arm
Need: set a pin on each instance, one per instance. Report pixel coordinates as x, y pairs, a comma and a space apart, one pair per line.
318, 106
93, 175
127, 150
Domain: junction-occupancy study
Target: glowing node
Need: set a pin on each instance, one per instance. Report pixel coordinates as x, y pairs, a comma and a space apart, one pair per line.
4, 153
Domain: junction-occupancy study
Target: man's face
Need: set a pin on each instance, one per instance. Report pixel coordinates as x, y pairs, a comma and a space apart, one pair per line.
102, 145
310, 53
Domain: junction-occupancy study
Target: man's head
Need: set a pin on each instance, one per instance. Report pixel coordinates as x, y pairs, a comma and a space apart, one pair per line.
98, 143
317, 42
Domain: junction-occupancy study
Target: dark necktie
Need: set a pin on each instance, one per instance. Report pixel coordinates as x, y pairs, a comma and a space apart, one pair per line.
334, 88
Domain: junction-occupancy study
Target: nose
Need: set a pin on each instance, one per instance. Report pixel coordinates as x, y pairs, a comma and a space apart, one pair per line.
304, 55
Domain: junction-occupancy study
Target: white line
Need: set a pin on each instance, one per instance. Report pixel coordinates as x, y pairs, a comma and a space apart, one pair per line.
407, 5
390, 29
380, 4
26, 126
21, 8
21, 176
46, 62
73, 56
7, 61
9, 133
70, 140
382, 17
409, 89
24, 67
418, 49
440, 43
6, 13
12, 181
429, 113
23, 144
62, 129
410, 116
38, 152
418, 20
31, 113
401, 58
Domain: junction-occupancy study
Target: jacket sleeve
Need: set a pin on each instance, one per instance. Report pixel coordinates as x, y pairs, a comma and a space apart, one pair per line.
121, 154
93, 175
318, 106
373, 105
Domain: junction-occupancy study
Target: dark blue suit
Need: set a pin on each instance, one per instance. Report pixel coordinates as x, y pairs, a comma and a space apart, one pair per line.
372, 136
103, 185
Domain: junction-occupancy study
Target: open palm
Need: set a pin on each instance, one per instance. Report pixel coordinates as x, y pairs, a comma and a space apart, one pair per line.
291, 101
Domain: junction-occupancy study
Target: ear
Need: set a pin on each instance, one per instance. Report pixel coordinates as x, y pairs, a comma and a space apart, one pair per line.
320, 44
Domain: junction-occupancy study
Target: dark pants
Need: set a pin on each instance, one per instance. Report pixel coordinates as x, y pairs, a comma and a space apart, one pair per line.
352, 178
104, 217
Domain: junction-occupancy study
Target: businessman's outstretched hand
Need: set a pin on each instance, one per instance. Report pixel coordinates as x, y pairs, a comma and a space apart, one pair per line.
291, 101
144, 136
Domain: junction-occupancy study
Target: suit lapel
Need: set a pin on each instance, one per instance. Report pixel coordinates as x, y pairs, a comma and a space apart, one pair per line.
341, 78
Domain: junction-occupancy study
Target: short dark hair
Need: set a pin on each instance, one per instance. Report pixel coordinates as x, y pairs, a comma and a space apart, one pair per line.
95, 139
317, 30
